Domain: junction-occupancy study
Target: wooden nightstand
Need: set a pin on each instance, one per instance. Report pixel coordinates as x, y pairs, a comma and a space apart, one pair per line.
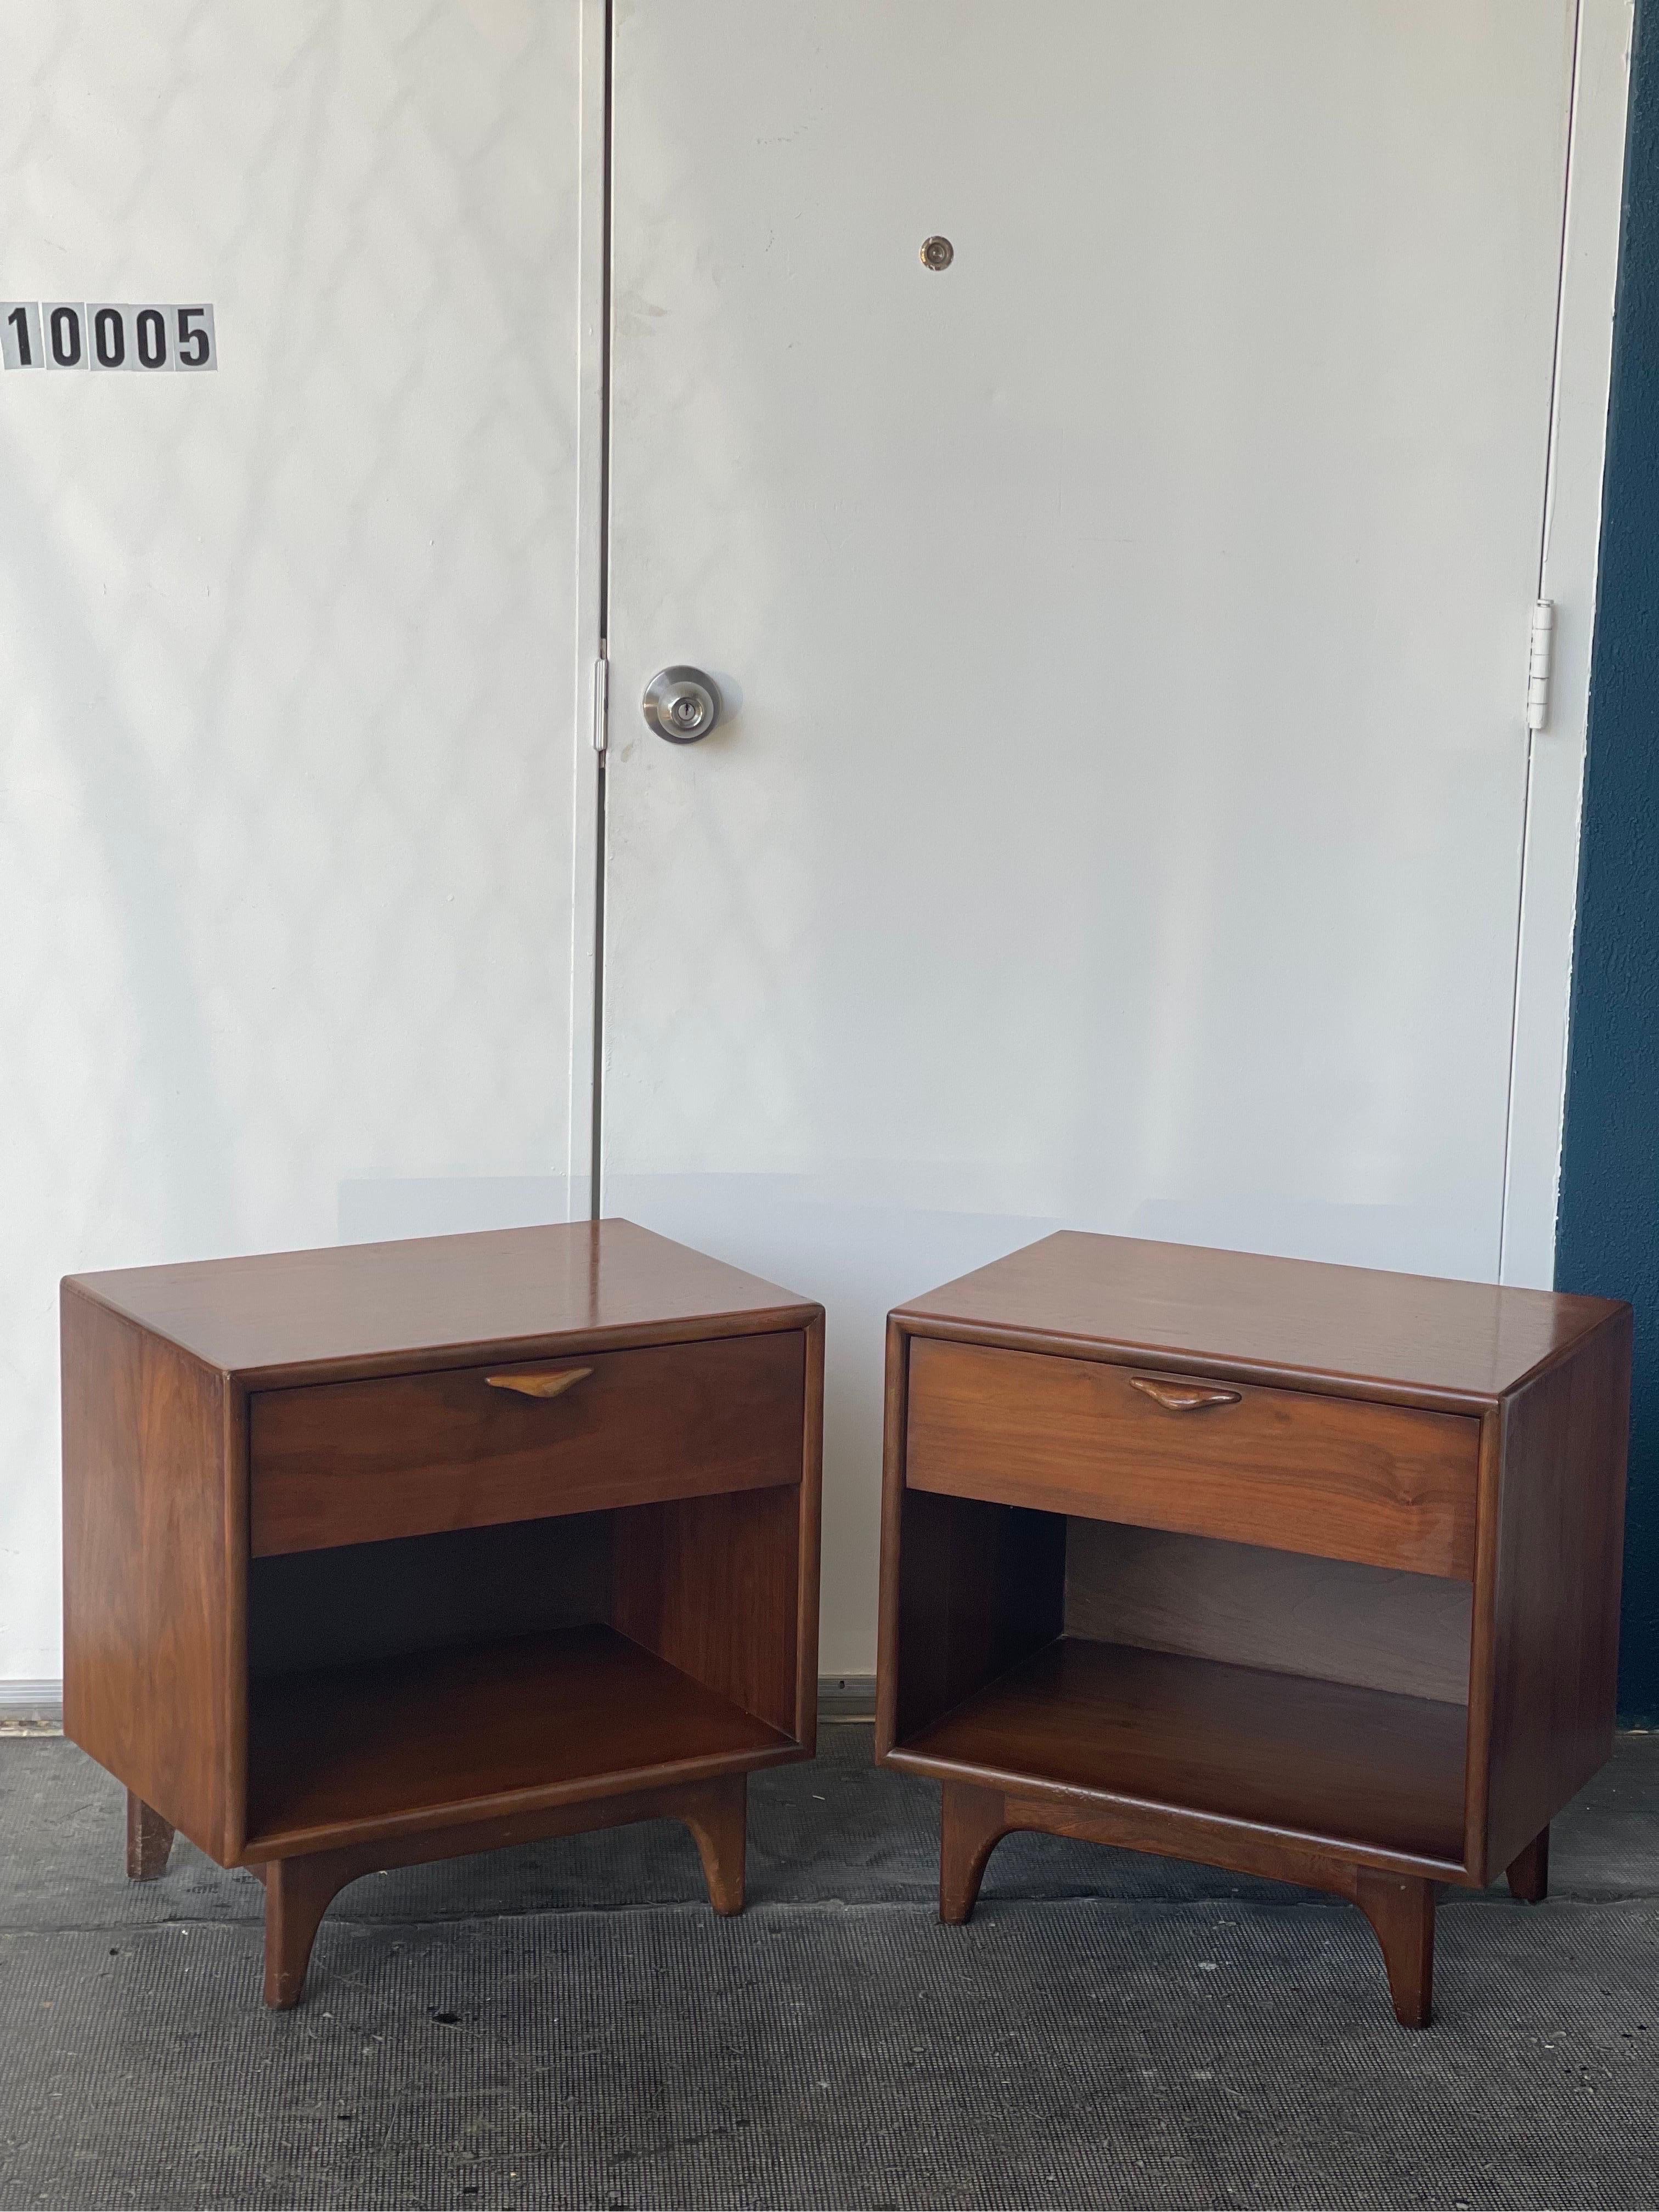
1304, 1571
391, 1552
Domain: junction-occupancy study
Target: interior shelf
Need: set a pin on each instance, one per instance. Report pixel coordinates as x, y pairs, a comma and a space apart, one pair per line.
1317, 1757
530, 1719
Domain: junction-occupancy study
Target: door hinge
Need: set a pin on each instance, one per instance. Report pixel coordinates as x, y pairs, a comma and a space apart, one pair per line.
1540, 661
601, 703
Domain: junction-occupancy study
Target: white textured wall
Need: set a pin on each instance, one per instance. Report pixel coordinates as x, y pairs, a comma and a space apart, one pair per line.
285, 655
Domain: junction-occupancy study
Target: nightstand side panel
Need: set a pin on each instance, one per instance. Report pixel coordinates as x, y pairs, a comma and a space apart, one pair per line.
895, 1415
809, 1536
1559, 1541
153, 1663
725, 1586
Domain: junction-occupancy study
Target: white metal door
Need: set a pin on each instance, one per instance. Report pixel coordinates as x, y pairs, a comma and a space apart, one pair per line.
1119, 817
289, 655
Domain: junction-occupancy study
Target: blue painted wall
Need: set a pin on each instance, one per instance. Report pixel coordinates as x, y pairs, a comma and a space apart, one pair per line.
1608, 1238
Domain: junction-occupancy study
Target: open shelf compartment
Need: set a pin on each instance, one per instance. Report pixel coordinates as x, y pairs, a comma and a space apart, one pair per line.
1315, 1697
575, 1712
429, 1680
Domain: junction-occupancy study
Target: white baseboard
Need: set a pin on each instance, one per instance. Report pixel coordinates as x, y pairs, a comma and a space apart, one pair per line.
32, 1705
847, 1697
40, 1704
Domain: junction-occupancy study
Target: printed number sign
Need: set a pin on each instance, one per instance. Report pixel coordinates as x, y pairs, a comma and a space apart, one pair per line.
81, 334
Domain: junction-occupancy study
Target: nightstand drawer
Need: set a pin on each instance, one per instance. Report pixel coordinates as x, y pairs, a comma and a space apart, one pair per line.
1340, 1478
406, 1455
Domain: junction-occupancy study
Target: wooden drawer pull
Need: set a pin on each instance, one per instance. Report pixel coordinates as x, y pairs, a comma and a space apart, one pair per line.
1183, 1397
553, 1384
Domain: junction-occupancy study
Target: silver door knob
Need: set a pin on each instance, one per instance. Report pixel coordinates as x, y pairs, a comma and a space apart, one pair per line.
682, 704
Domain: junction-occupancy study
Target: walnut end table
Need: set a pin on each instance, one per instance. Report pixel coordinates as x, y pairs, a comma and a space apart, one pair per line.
392, 1553
1303, 1571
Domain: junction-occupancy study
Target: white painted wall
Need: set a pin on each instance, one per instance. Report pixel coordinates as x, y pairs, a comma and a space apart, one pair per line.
1568, 570
286, 656
296, 834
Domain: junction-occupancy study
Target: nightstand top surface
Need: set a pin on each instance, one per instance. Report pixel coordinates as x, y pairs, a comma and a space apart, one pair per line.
349, 1304
1245, 1311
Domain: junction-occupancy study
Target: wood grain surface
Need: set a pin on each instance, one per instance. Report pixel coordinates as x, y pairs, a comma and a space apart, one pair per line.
299, 1887
1338, 1575
1391, 1486
354, 1462
443, 1301
150, 1841
1243, 1314
1324, 1760
154, 1572
979, 1586
1557, 1555
1253, 1606
1399, 1903
1169, 1832
421, 1741
713, 1585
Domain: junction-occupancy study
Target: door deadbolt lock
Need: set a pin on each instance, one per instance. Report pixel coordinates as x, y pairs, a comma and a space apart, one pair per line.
682, 704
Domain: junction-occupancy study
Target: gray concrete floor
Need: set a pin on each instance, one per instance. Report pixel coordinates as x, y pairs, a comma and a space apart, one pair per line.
568, 2024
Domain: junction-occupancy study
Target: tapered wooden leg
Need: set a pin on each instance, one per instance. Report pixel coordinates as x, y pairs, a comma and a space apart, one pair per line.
150, 1841
720, 1822
1401, 1911
298, 1892
1530, 1873
972, 1822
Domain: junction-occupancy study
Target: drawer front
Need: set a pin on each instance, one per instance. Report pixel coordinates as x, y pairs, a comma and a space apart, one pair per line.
1340, 1477
408, 1454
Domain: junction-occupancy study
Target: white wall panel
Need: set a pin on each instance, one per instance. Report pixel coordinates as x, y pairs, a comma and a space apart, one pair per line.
1567, 578
1120, 820
286, 655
